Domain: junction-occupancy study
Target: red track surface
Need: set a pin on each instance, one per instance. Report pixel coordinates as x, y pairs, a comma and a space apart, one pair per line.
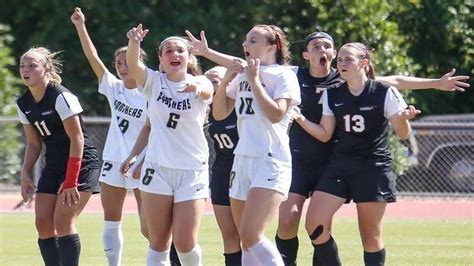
459, 209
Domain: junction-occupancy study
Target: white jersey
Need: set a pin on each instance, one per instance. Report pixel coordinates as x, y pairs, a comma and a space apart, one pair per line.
177, 137
258, 137
128, 115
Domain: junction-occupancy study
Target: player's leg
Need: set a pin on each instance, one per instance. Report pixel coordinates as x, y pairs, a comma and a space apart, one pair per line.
237, 207
112, 199
289, 217
221, 204
44, 221
65, 223
319, 217
261, 207
370, 217
158, 211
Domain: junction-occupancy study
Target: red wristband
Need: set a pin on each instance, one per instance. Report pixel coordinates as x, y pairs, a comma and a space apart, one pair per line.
72, 172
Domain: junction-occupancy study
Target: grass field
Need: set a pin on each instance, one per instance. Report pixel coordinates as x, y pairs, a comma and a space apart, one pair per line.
408, 242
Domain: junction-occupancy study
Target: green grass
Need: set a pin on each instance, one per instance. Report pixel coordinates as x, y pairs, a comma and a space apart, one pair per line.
408, 242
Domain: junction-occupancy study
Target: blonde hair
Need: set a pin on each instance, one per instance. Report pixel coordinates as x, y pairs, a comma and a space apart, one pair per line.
50, 62
193, 65
219, 70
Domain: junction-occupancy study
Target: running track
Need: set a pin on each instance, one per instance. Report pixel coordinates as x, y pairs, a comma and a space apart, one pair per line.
405, 208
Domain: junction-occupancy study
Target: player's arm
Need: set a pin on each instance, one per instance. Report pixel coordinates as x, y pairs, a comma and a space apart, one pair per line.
222, 105
401, 121
322, 131
201, 48
135, 66
32, 152
448, 82
78, 19
140, 144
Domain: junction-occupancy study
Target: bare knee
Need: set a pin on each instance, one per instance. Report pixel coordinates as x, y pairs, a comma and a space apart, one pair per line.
288, 224
248, 238
371, 240
318, 232
45, 226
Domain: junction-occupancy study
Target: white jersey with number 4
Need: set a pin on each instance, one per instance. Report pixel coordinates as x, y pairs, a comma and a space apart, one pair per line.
258, 136
128, 115
177, 137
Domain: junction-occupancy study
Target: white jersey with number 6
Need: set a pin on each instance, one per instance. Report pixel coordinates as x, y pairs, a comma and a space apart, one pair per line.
177, 137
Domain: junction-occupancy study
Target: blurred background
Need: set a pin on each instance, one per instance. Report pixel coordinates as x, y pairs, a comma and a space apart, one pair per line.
424, 38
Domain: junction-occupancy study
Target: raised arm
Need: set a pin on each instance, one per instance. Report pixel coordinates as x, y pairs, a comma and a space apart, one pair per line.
448, 82
78, 19
200, 48
136, 68
222, 105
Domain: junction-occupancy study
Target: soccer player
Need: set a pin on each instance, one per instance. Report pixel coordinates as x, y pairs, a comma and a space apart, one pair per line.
225, 137
128, 111
263, 91
50, 114
358, 111
175, 175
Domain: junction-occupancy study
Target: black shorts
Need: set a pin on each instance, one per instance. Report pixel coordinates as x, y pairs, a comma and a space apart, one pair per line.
365, 184
305, 176
51, 179
219, 186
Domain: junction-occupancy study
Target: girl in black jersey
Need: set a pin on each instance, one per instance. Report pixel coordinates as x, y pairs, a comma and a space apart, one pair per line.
359, 169
225, 137
309, 155
50, 114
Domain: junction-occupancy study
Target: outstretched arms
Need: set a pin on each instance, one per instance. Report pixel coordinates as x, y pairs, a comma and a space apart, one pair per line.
78, 19
448, 82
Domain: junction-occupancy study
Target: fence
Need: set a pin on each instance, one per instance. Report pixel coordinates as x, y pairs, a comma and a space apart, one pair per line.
440, 154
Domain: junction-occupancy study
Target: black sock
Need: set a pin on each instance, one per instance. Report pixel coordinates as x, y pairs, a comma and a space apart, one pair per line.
316, 261
374, 258
327, 253
49, 251
288, 249
233, 259
174, 256
69, 249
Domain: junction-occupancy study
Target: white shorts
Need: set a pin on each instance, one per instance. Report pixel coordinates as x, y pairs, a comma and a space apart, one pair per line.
249, 172
182, 184
111, 175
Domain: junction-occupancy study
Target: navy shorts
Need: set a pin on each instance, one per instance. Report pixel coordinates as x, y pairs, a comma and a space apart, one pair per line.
219, 185
51, 179
305, 176
364, 184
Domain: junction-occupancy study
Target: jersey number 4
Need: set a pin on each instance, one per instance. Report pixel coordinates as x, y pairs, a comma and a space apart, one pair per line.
355, 123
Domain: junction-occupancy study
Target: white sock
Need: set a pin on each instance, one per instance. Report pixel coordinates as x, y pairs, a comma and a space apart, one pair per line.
113, 242
266, 253
248, 258
156, 258
191, 258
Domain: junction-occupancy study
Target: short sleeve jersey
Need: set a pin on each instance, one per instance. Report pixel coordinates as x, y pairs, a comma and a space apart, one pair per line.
128, 112
258, 136
302, 144
46, 117
225, 137
177, 137
362, 121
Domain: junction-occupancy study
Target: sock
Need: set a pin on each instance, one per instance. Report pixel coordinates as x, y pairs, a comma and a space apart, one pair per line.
248, 258
191, 258
69, 249
174, 256
374, 258
266, 253
233, 259
288, 249
49, 251
113, 242
316, 261
327, 253
155, 258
